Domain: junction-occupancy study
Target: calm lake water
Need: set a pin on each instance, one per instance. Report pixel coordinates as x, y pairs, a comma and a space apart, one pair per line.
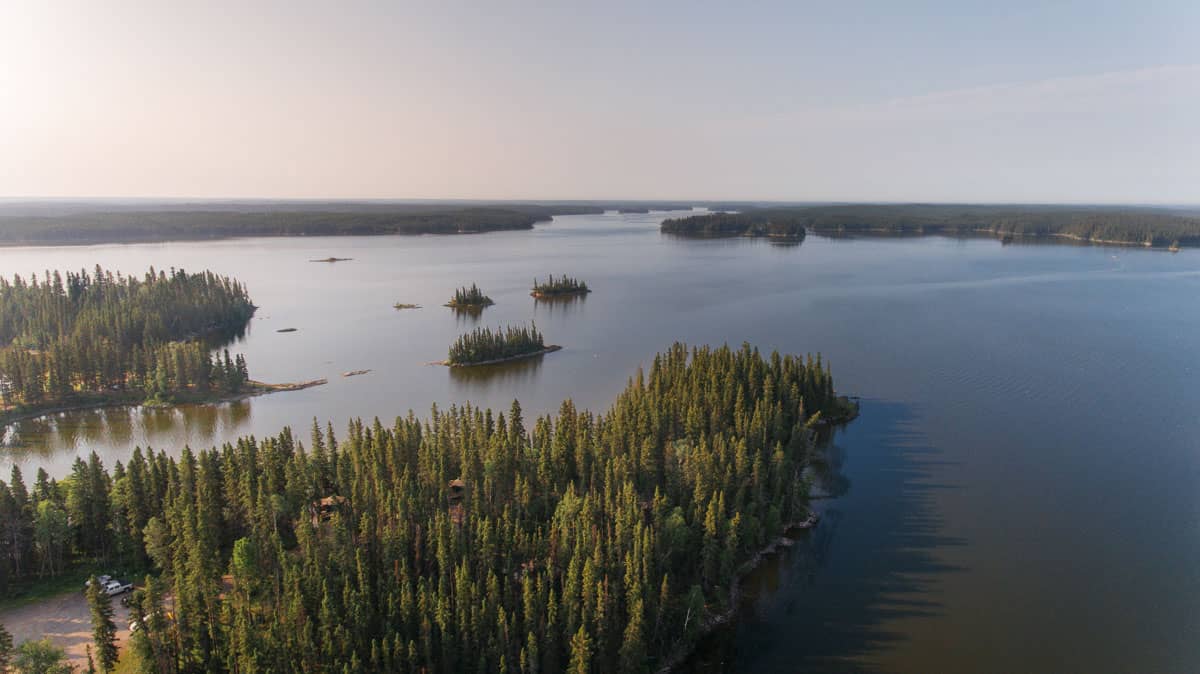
1021, 492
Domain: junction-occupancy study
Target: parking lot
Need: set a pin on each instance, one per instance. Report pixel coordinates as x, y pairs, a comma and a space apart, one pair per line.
65, 619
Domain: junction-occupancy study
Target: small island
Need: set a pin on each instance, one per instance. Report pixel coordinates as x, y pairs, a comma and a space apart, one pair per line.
401, 305
333, 259
469, 299
487, 347
764, 223
560, 286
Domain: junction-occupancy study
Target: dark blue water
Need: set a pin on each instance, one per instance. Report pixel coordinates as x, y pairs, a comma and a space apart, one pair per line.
1020, 493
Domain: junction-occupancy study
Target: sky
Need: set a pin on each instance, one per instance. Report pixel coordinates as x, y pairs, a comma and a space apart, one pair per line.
804, 101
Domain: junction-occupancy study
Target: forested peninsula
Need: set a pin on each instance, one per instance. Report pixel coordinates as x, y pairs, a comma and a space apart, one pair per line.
466, 541
84, 340
1151, 227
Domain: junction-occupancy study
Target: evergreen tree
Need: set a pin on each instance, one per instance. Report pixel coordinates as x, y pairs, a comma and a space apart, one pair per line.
468, 540
581, 653
104, 628
6, 648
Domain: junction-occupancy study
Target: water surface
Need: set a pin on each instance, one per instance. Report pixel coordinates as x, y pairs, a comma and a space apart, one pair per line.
1020, 493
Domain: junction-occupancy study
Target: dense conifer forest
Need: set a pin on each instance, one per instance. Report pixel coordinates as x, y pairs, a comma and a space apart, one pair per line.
482, 345
555, 286
103, 336
469, 541
469, 298
1157, 227
761, 222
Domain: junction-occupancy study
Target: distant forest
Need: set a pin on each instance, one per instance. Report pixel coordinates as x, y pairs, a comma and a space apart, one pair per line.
1158, 227
42, 223
758, 222
191, 225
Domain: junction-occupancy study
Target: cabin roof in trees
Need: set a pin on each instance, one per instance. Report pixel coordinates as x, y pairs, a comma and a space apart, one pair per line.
457, 490
331, 502
323, 508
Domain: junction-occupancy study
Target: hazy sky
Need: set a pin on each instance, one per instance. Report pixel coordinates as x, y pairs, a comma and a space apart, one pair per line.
939, 100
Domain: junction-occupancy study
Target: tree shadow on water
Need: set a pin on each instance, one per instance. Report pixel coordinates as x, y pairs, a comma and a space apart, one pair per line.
835, 601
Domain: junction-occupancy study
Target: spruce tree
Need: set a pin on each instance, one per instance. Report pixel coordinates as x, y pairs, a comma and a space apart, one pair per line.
6, 648
581, 653
104, 628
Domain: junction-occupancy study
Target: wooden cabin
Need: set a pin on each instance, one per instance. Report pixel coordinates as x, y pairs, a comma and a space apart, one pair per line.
324, 508
456, 491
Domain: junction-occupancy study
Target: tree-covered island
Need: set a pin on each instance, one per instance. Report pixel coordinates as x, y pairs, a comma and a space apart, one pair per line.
471, 540
485, 347
469, 299
558, 286
84, 340
765, 222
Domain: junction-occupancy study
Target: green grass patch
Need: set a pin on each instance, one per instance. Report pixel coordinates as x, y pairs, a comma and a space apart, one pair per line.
36, 589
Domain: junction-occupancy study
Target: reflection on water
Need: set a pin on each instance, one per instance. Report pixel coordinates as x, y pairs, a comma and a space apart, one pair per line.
500, 377
563, 306
835, 607
126, 427
772, 241
468, 316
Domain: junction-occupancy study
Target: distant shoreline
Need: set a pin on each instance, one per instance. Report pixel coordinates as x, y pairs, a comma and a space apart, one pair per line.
254, 388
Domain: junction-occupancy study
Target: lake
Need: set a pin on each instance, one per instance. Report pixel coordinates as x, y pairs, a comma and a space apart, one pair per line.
1020, 492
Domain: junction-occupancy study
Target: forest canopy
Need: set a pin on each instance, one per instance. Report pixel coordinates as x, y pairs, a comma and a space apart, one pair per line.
102, 336
466, 541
